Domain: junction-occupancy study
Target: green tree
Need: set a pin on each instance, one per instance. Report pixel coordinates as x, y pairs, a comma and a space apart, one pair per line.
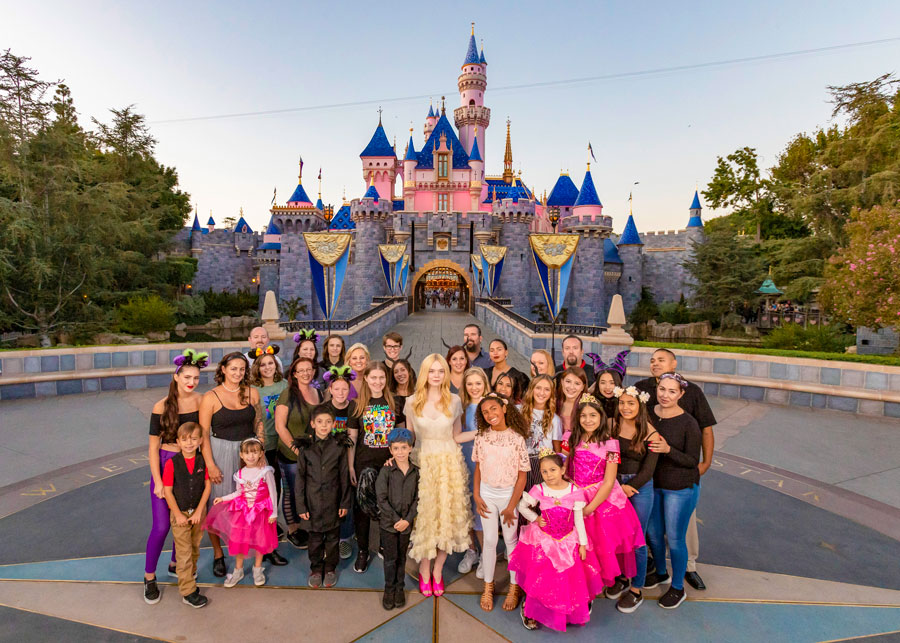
738, 183
727, 270
644, 310
293, 307
862, 281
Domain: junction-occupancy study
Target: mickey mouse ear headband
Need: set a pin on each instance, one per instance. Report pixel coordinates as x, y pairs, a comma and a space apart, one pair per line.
190, 357
306, 333
338, 373
256, 353
618, 364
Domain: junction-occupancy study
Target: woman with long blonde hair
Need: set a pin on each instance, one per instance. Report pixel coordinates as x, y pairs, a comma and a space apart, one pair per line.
442, 526
539, 410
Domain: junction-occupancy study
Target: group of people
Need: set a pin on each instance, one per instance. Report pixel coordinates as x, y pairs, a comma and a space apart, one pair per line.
587, 481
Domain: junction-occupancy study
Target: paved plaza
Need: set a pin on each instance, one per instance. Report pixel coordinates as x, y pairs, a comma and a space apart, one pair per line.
799, 529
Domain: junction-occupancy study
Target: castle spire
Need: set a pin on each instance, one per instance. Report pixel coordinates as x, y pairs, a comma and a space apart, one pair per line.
300, 173
507, 158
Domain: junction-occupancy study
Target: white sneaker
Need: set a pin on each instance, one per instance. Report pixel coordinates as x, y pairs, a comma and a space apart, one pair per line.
467, 562
259, 576
234, 577
479, 571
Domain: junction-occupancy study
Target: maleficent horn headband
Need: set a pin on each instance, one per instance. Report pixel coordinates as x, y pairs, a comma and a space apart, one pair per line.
618, 364
190, 357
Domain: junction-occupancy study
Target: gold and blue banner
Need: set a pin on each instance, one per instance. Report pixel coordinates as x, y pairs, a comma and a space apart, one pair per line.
328, 250
491, 266
478, 273
391, 254
554, 256
404, 274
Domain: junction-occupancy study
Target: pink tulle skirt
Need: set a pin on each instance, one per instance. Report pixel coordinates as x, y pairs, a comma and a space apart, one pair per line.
553, 597
242, 528
614, 534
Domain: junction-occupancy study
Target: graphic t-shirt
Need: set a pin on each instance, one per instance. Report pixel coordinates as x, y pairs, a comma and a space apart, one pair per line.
537, 440
375, 424
268, 396
344, 418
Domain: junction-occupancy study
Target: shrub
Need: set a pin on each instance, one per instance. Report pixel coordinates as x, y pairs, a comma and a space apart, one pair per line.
146, 315
235, 304
674, 312
828, 338
191, 310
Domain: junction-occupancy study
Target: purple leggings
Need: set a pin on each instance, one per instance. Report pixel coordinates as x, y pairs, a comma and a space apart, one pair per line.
160, 528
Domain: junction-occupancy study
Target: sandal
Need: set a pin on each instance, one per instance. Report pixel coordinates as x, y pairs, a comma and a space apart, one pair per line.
487, 597
513, 596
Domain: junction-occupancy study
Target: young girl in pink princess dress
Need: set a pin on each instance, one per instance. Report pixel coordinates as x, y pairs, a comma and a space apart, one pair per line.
552, 561
246, 518
613, 528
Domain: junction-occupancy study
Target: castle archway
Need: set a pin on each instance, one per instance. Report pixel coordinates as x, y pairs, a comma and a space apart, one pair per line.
441, 285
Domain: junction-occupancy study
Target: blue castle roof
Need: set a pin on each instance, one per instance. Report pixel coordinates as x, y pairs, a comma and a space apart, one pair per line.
475, 155
379, 145
695, 204
502, 190
471, 52
210, 221
410, 151
342, 220
242, 227
610, 252
588, 194
443, 126
299, 195
431, 113
196, 226
630, 236
271, 245
481, 58
398, 204
273, 227
319, 204
564, 193
371, 193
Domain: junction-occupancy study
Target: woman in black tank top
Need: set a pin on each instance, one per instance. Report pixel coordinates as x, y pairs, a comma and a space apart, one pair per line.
229, 413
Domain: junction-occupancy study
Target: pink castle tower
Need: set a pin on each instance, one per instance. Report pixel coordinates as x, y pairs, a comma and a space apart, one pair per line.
472, 117
379, 161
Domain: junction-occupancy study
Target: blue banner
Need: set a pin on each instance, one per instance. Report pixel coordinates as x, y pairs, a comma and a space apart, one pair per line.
404, 274
554, 257
327, 250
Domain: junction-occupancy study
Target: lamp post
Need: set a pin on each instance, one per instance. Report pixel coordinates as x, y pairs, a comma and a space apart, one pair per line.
328, 212
554, 216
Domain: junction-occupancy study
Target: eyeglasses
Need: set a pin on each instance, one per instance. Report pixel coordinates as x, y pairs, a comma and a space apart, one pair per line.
392, 346
304, 371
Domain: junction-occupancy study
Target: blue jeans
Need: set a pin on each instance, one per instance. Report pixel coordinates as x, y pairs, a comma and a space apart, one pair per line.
669, 521
642, 502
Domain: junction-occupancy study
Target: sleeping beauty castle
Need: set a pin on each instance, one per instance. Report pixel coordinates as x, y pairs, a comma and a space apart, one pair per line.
431, 213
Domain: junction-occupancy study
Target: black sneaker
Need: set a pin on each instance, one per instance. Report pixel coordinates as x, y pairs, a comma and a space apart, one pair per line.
387, 599
655, 579
151, 591
276, 559
173, 572
195, 599
615, 590
672, 599
299, 539
629, 601
219, 567
280, 532
362, 562
399, 597
529, 623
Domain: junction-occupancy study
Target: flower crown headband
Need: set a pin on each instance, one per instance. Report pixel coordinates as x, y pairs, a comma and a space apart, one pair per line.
338, 373
190, 357
304, 334
256, 353
633, 392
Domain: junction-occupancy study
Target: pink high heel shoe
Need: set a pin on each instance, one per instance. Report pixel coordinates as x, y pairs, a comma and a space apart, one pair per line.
425, 588
438, 587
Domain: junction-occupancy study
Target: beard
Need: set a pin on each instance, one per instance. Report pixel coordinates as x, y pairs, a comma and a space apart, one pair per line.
572, 361
470, 345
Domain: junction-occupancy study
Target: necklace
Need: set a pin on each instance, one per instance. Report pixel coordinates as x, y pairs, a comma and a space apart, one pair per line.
231, 390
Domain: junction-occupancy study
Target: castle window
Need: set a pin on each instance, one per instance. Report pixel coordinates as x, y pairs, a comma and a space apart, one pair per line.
443, 170
443, 203
471, 101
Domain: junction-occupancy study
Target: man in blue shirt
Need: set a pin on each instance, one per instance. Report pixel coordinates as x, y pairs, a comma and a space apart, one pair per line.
472, 344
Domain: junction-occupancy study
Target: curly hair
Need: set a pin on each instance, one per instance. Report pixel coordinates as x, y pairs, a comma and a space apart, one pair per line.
244, 391
514, 419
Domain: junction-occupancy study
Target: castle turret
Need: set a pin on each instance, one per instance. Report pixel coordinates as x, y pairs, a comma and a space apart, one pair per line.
410, 161
210, 223
430, 121
630, 249
507, 158
379, 162
472, 117
477, 165
266, 260
695, 221
587, 206
563, 195
515, 215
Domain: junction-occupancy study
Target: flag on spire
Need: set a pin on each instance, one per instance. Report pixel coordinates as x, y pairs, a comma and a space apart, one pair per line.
591, 150
274, 194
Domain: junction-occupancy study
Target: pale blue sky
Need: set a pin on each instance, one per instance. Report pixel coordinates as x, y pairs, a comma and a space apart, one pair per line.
179, 60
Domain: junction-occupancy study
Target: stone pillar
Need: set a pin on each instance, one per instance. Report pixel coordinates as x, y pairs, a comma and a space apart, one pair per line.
270, 317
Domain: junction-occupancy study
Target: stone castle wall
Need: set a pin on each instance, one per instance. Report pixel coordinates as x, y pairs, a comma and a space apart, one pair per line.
225, 262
